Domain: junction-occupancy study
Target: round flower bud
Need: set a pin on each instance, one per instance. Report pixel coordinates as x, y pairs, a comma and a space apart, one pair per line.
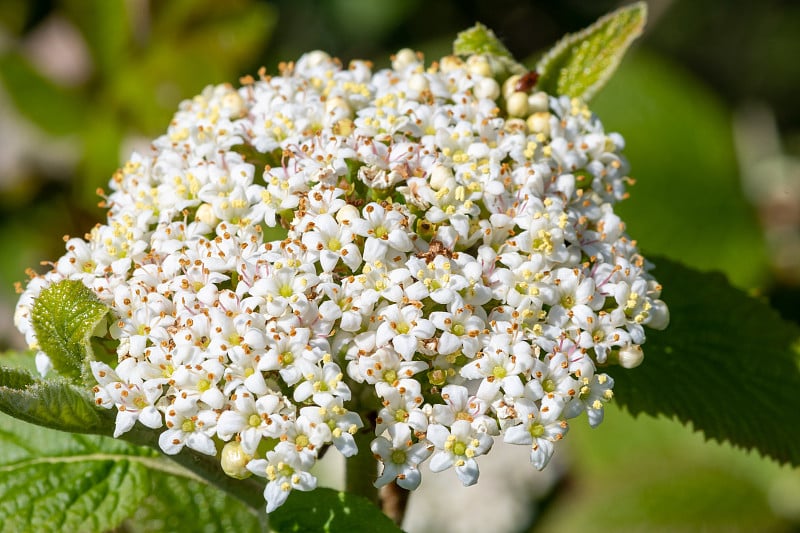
517, 104
439, 177
631, 356
538, 102
539, 123
479, 65
418, 82
317, 58
347, 214
234, 102
234, 461
487, 88
205, 214
450, 63
510, 85
404, 58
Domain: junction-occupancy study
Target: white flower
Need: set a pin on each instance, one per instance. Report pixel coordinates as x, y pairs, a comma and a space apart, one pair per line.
539, 427
286, 469
400, 457
458, 447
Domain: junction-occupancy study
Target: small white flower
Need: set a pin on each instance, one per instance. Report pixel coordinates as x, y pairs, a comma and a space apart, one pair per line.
400, 457
286, 469
458, 447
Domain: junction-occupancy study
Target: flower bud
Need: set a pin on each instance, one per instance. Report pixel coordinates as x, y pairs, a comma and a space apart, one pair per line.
440, 175
538, 102
510, 85
517, 104
539, 123
317, 58
479, 65
347, 214
450, 63
418, 82
404, 58
205, 214
631, 356
487, 88
234, 461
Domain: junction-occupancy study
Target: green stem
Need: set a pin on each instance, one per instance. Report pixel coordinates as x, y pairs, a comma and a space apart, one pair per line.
362, 469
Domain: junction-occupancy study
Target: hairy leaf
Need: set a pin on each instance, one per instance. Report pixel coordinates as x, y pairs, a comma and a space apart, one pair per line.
330, 511
52, 403
727, 364
56, 481
581, 63
481, 40
64, 317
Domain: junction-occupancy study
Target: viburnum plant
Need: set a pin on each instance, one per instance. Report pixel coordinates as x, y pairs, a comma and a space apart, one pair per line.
406, 264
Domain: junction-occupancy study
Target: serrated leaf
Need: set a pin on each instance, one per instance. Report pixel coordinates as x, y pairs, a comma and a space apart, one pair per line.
55, 109
581, 63
56, 481
64, 317
331, 511
726, 364
52, 403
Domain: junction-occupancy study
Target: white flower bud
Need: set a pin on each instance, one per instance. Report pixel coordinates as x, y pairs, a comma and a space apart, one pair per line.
205, 214
509, 86
234, 102
658, 315
418, 82
631, 356
450, 63
440, 176
346, 214
234, 461
539, 123
517, 104
404, 58
487, 88
538, 101
479, 65
316, 58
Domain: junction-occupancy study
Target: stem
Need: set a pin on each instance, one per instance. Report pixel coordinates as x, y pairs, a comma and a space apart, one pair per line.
362, 469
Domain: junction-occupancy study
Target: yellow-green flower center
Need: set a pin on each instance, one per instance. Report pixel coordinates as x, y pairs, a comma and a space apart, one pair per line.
254, 420
187, 425
459, 448
399, 457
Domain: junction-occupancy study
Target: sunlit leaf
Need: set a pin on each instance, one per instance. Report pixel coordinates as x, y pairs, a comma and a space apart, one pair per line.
727, 364
56, 481
581, 63
64, 317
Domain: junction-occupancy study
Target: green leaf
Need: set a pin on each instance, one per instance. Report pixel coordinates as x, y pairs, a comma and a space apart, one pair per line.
646, 101
53, 403
53, 108
330, 511
581, 63
479, 40
179, 504
64, 317
55, 481
727, 364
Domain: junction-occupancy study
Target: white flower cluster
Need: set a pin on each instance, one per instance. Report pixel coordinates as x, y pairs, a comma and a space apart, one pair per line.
424, 251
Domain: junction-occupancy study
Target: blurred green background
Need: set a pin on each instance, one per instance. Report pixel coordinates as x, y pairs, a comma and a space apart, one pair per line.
707, 102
